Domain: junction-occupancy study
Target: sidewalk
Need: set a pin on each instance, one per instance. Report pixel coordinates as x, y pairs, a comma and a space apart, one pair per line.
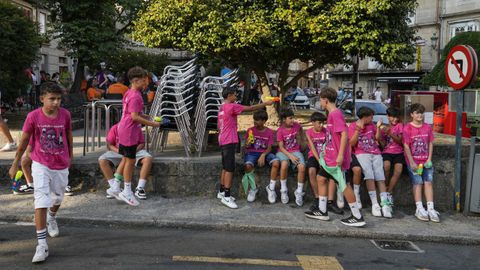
208, 213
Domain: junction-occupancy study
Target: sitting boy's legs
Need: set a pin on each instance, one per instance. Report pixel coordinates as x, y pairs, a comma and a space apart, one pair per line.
228, 164
357, 179
320, 212
283, 181
146, 161
332, 189
105, 162
272, 196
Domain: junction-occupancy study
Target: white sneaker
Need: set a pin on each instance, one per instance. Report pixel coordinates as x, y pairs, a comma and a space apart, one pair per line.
272, 195
376, 210
298, 198
229, 202
252, 195
41, 254
112, 193
52, 226
220, 195
284, 196
422, 214
128, 198
9, 147
340, 199
387, 211
434, 215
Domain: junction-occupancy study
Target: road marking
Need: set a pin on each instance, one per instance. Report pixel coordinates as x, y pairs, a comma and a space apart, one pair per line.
305, 262
319, 262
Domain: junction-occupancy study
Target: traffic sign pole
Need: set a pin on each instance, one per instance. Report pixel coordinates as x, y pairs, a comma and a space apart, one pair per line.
458, 149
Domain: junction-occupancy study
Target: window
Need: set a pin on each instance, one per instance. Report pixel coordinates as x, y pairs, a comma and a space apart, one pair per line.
468, 26
27, 12
62, 60
42, 22
411, 18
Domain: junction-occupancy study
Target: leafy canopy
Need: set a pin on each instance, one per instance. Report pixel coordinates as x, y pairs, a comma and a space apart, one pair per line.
266, 35
20, 41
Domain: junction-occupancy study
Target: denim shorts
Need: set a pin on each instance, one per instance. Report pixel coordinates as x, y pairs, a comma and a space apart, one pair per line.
427, 176
252, 158
299, 155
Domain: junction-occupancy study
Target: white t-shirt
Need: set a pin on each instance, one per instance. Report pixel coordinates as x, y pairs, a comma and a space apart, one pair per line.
378, 95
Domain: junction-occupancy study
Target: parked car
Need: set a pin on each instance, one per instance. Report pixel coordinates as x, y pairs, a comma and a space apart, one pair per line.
301, 100
378, 107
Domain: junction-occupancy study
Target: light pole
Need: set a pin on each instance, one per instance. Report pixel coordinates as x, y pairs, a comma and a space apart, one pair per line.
354, 81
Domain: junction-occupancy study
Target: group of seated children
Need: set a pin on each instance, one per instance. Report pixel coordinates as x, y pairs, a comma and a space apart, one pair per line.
365, 149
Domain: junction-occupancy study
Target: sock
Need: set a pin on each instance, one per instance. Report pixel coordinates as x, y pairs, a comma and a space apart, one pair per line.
283, 184
330, 202
355, 211
111, 182
430, 206
29, 184
42, 237
356, 190
141, 183
118, 177
127, 187
419, 205
272, 184
299, 187
227, 192
373, 197
222, 188
51, 213
322, 204
384, 196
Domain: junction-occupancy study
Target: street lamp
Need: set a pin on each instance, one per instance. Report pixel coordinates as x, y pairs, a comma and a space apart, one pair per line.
355, 61
433, 41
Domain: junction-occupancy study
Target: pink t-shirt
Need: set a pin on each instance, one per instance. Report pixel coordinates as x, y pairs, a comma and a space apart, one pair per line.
418, 139
318, 139
49, 138
289, 137
366, 143
132, 102
335, 126
262, 140
392, 147
227, 123
113, 138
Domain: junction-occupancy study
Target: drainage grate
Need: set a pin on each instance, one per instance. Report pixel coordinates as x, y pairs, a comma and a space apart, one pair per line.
397, 246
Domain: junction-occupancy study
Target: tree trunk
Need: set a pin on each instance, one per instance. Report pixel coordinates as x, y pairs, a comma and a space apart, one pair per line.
273, 118
78, 77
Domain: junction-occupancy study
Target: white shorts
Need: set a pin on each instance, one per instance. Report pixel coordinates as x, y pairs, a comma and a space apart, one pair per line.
115, 158
49, 185
372, 166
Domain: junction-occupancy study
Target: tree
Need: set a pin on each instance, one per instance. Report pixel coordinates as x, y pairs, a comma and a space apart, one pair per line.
266, 35
20, 41
437, 75
125, 59
92, 31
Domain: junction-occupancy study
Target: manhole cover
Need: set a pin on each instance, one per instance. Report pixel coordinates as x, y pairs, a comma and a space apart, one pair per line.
397, 246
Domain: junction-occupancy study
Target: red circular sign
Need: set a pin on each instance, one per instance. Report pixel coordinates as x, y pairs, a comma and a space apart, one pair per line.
460, 67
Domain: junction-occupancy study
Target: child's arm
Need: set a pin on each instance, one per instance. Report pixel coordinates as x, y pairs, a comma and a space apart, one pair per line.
408, 153
293, 158
140, 146
343, 145
354, 139
430, 152
397, 139
137, 118
257, 106
261, 159
312, 148
378, 131
20, 150
70, 143
112, 147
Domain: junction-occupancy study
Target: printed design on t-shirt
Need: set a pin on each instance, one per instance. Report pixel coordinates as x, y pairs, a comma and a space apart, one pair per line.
290, 141
318, 145
328, 139
419, 147
260, 143
389, 141
366, 143
50, 141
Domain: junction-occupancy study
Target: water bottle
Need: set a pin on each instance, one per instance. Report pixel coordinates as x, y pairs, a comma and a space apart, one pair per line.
16, 180
420, 169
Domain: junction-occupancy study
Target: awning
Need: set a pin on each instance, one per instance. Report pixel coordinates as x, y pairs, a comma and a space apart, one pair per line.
398, 79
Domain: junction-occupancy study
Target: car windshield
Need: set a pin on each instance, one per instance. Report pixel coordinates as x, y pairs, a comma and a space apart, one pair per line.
378, 108
300, 92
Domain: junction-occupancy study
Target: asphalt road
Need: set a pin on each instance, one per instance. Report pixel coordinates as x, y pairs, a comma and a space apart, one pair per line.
94, 247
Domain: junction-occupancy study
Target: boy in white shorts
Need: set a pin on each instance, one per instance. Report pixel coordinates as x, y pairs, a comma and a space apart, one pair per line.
112, 157
363, 136
51, 130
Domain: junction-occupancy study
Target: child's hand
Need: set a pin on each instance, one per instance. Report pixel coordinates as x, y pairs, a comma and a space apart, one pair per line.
269, 102
360, 124
261, 161
339, 160
12, 171
379, 123
414, 166
294, 159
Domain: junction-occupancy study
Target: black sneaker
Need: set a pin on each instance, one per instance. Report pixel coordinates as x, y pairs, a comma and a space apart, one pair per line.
352, 221
25, 189
68, 191
314, 207
317, 214
140, 193
332, 207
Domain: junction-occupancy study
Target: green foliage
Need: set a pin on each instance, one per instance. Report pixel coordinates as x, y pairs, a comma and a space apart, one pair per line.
266, 35
437, 75
125, 59
20, 41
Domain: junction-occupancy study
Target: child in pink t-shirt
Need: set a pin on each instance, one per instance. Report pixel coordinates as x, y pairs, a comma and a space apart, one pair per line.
418, 146
228, 140
289, 135
51, 130
334, 160
392, 154
258, 151
363, 136
131, 131
112, 157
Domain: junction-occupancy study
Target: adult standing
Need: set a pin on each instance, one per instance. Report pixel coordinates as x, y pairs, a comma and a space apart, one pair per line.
378, 94
359, 93
11, 145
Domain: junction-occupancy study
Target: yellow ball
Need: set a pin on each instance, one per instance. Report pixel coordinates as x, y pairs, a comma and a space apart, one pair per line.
157, 119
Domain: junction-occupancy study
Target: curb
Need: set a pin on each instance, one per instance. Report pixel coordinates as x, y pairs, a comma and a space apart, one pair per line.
224, 226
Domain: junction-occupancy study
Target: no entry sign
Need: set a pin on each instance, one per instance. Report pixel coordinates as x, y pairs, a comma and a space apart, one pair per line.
461, 66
